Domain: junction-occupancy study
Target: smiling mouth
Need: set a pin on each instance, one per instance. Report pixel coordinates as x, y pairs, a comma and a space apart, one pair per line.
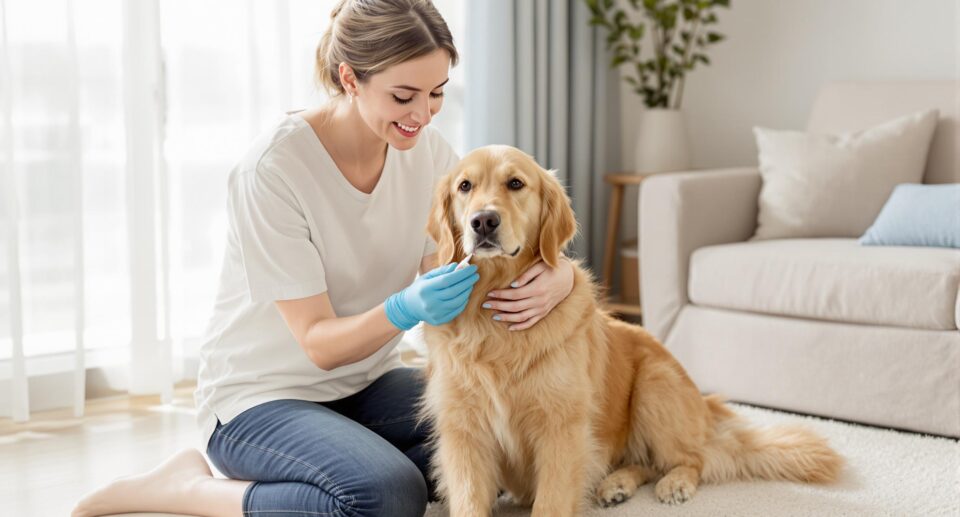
406, 130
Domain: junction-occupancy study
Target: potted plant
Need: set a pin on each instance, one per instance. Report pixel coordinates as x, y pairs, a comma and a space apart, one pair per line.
679, 34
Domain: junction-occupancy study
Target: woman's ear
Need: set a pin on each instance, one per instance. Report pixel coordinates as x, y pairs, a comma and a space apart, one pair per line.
348, 80
440, 225
558, 225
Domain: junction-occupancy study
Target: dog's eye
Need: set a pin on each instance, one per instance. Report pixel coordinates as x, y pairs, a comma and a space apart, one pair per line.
465, 186
515, 184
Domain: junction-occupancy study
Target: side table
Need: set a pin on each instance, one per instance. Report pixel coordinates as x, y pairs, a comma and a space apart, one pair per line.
618, 182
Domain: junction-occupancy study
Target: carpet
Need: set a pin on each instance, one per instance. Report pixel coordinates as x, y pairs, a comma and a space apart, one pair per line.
888, 473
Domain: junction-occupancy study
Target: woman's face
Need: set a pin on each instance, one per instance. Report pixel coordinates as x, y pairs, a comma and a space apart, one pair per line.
398, 102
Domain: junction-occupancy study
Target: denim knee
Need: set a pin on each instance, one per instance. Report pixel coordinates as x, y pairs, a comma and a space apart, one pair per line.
397, 490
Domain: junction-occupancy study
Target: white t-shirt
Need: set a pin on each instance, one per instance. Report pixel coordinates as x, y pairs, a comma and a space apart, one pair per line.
298, 228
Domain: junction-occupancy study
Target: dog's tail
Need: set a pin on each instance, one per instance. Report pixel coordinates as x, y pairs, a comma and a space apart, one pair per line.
739, 451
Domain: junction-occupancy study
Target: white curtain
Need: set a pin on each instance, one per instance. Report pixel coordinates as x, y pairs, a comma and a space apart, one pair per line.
119, 121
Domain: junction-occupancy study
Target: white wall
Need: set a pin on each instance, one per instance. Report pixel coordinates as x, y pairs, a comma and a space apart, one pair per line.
779, 52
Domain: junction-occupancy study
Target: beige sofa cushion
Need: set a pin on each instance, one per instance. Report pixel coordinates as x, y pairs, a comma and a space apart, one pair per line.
831, 279
824, 185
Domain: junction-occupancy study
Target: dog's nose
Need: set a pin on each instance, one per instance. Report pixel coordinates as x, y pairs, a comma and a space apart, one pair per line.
485, 222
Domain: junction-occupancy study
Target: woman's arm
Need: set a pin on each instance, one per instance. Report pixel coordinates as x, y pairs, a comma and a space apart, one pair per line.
329, 341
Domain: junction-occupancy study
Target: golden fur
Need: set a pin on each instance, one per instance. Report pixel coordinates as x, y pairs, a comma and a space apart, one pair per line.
581, 406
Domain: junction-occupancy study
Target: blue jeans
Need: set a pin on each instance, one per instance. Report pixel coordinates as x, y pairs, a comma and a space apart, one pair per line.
363, 455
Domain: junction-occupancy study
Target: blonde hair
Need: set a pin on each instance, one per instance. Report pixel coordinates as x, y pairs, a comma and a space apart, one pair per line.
372, 35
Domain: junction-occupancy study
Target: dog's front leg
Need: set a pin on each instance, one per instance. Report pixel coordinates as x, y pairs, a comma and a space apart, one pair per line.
466, 457
562, 458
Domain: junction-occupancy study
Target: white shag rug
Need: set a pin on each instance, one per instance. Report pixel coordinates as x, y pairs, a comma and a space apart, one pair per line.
888, 473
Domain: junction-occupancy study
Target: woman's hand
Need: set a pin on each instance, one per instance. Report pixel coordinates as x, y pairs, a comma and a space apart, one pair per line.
435, 298
532, 296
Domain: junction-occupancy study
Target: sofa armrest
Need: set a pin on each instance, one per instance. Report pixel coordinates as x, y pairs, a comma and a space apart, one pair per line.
679, 213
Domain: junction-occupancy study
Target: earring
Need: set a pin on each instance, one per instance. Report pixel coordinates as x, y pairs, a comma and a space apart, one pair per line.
351, 98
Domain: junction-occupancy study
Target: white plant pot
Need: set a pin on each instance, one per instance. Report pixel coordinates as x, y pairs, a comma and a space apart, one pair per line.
662, 143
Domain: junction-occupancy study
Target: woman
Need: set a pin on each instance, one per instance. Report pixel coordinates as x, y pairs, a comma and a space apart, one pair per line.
302, 399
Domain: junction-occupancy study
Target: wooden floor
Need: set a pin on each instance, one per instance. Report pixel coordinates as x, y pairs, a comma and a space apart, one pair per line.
47, 463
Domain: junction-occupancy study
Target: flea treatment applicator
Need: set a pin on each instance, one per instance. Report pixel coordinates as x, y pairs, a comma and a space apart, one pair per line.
464, 263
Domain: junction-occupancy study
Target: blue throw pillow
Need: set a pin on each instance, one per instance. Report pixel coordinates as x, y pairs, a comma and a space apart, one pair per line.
918, 215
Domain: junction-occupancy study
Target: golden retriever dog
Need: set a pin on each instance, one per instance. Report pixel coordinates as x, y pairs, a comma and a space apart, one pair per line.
580, 407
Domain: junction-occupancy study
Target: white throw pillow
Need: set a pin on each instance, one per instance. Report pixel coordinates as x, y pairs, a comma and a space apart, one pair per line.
820, 185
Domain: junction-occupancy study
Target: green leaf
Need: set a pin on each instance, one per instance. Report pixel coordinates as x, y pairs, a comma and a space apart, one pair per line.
619, 19
607, 4
714, 37
636, 32
670, 17
612, 38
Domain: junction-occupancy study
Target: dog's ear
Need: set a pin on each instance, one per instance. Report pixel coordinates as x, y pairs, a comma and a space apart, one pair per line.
557, 222
440, 225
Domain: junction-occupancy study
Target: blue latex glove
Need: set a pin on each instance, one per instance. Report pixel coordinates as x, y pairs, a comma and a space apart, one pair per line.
435, 297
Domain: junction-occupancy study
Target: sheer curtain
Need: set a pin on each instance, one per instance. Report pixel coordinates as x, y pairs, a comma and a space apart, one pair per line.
119, 121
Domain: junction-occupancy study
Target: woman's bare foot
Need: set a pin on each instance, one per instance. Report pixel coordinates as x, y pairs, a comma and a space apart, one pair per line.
169, 488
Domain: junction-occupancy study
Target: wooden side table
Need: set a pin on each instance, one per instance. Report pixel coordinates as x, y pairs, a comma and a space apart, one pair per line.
618, 182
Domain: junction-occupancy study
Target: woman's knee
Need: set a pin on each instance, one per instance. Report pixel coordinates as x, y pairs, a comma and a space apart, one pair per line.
397, 489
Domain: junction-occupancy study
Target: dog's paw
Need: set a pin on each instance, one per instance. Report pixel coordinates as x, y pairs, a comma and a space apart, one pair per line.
612, 493
612, 497
674, 490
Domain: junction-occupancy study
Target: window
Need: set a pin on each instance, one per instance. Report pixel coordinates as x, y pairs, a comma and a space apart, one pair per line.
227, 70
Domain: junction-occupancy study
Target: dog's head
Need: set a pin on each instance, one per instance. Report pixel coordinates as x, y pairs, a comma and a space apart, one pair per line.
498, 202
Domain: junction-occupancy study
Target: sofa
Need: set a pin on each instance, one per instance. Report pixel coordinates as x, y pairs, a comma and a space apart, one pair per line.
820, 326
